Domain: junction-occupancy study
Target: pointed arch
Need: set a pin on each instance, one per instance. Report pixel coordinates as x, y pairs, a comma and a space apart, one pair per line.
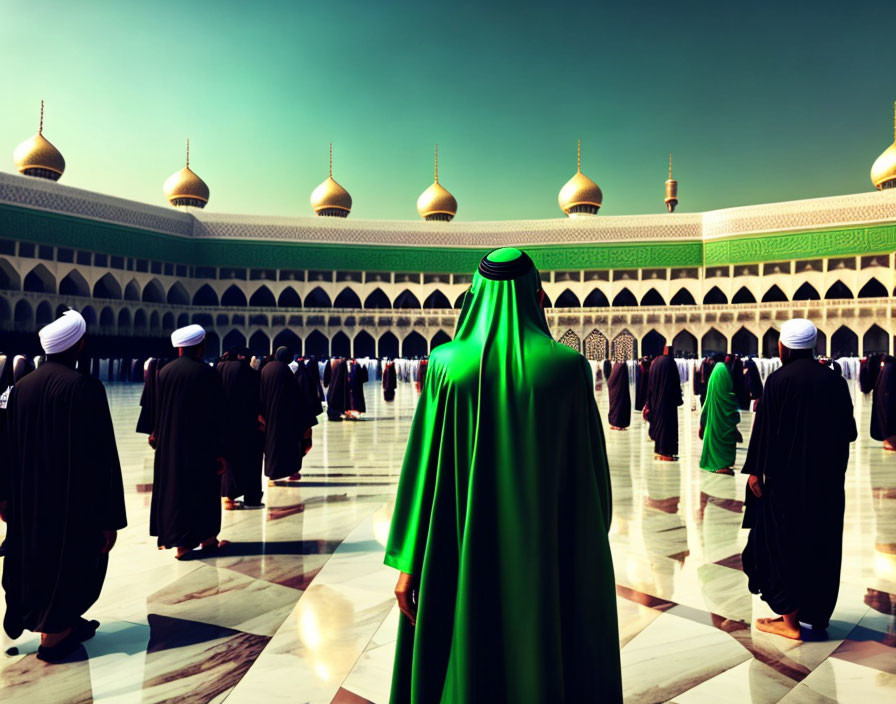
73, 284
263, 298
206, 321
806, 292
168, 321
107, 318
377, 299
40, 280
567, 299
844, 343
154, 321
459, 301
141, 321
774, 294
107, 286
770, 342
5, 312
318, 298
234, 297
289, 298
838, 290
624, 298
183, 320
873, 289
683, 297
177, 295
124, 320
744, 343
44, 314
364, 345
406, 301
132, 291
260, 343
743, 295
437, 301
154, 292
387, 345
340, 345
596, 299
24, 314
9, 278
571, 340
684, 344
875, 340
317, 344
440, 338
347, 298
624, 346
289, 340
715, 296
414, 345
234, 339
653, 343
713, 342
596, 345
206, 297
212, 345
652, 298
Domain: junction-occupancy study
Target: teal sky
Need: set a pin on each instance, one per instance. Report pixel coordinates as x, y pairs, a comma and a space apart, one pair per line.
759, 102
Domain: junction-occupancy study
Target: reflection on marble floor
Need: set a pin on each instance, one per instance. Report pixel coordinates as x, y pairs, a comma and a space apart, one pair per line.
302, 609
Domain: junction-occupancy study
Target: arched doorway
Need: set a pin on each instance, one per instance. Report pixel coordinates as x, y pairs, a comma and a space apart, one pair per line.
844, 343
684, 344
388, 345
652, 344
597, 346
440, 338
317, 345
713, 342
745, 343
875, 341
414, 345
365, 345
571, 340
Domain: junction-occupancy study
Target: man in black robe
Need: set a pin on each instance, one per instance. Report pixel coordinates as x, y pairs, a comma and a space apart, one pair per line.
189, 437
662, 399
357, 376
620, 414
149, 397
308, 384
288, 418
390, 382
754, 381
642, 375
245, 440
736, 369
63, 498
883, 404
797, 464
336, 380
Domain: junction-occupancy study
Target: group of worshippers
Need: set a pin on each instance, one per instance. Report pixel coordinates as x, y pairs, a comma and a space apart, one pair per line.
344, 380
214, 427
877, 376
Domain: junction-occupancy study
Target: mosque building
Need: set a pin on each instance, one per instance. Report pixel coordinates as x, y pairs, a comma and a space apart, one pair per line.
329, 283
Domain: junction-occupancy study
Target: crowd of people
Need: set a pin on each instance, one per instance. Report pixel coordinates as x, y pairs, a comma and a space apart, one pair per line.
476, 506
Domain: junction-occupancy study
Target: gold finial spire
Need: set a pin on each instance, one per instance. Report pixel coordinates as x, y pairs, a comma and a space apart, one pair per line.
188, 151
436, 169
331, 160
579, 158
40, 130
670, 166
894, 122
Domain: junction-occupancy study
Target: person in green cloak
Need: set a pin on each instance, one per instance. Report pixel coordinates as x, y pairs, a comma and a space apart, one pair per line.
718, 423
502, 513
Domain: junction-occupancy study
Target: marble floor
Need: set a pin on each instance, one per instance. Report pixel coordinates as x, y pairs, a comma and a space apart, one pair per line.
302, 609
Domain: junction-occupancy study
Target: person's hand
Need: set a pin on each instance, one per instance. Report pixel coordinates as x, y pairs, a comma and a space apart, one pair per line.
221, 465
755, 486
406, 594
4, 507
110, 537
152, 441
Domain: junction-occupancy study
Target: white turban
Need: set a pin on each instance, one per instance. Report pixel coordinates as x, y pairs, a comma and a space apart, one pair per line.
188, 337
62, 333
799, 334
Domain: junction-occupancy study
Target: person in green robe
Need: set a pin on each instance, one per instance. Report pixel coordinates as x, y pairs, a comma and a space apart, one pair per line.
718, 423
502, 513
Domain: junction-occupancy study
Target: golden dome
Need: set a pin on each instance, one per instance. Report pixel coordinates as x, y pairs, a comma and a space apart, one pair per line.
185, 187
329, 198
436, 203
671, 199
580, 195
37, 157
883, 171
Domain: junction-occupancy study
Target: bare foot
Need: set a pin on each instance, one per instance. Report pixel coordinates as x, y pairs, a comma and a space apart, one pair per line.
48, 640
182, 553
664, 458
229, 504
214, 544
778, 626
726, 470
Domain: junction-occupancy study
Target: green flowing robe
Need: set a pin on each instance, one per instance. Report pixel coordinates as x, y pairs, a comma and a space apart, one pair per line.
502, 514
719, 421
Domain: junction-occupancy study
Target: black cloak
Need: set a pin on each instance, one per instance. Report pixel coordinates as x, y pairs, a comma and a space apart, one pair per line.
190, 433
149, 398
308, 384
736, 369
608, 368
287, 417
64, 490
662, 400
620, 415
245, 441
799, 448
883, 401
357, 377
390, 382
642, 374
336, 380
754, 379
314, 372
